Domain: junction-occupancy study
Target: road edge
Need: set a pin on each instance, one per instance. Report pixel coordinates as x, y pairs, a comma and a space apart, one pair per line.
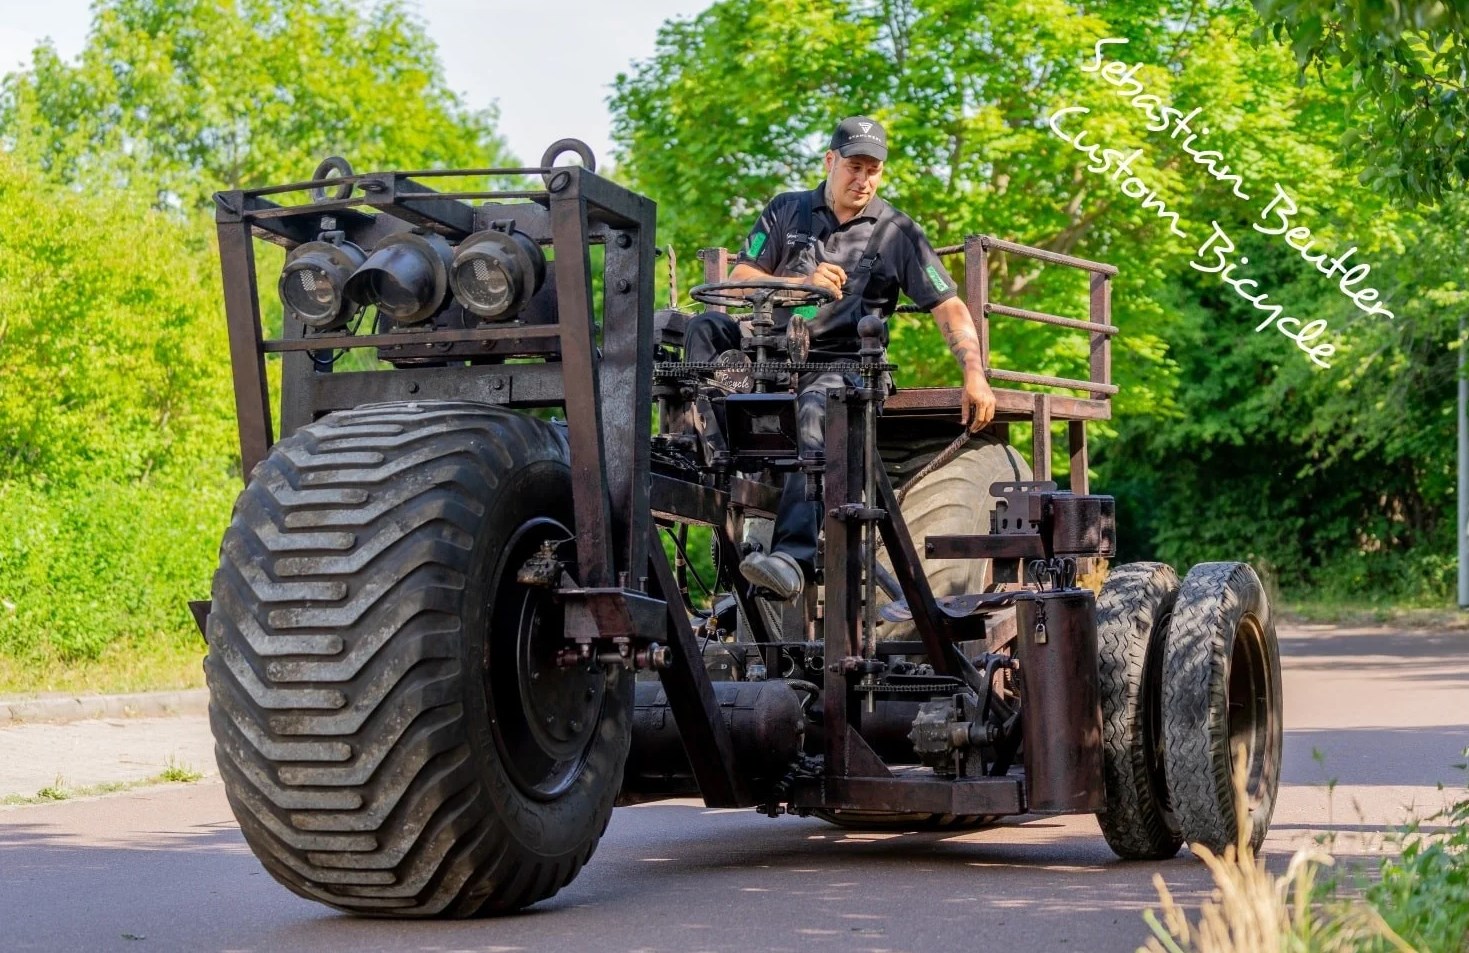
17, 711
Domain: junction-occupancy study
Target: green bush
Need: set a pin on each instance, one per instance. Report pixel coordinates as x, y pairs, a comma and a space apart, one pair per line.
117, 461
83, 566
1423, 894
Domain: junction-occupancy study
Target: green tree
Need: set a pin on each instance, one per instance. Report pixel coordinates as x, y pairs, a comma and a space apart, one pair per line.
708, 126
112, 345
117, 462
184, 97
1409, 67
118, 459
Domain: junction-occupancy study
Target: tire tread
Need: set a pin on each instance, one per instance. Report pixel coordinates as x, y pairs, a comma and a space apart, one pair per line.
334, 669
1135, 598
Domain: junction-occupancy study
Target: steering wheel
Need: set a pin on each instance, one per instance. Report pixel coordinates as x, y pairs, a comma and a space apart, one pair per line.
755, 293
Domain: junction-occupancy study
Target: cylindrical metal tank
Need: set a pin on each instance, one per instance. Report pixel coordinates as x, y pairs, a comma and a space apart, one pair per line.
1060, 699
765, 720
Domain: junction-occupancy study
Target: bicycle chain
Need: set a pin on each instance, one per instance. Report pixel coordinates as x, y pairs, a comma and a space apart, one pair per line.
690, 368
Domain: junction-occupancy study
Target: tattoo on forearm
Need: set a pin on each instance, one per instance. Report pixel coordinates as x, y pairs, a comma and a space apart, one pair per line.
959, 335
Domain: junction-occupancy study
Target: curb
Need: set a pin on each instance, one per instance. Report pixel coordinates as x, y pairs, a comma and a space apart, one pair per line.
16, 711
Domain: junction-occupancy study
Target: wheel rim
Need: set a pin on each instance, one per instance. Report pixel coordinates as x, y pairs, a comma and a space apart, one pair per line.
544, 717
1252, 706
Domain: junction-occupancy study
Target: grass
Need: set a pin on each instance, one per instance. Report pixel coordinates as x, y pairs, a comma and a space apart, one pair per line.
1321, 610
1416, 901
178, 773
58, 790
123, 667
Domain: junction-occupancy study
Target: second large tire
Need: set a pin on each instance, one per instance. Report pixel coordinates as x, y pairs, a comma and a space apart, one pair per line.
394, 736
1222, 693
1133, 613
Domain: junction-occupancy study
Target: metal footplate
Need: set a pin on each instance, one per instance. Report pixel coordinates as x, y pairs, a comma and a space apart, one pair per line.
970, 796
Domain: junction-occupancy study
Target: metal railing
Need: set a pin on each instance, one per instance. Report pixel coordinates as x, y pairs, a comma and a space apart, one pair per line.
977, 249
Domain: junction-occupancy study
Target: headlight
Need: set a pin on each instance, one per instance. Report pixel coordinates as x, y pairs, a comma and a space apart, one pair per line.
313, 283
497, 271
406, 276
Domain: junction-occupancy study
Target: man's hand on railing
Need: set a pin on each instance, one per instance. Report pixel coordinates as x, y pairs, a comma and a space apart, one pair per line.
978, 402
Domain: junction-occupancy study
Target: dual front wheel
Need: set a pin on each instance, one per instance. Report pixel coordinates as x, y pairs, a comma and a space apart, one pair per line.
1191, 701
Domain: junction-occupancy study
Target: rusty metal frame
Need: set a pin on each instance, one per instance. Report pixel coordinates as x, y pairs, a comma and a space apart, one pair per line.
603, 380
604, 393
854, 776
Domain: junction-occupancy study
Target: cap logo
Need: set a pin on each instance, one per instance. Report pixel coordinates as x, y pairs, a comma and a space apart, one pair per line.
865, 126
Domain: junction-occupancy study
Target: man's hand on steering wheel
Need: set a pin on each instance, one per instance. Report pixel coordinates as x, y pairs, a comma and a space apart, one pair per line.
828, 276
760, 294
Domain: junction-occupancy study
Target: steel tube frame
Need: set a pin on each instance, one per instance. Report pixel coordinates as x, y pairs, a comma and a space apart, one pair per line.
605, 384
604, 408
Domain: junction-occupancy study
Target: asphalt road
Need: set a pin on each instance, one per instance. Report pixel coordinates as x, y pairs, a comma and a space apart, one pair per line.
1383, 715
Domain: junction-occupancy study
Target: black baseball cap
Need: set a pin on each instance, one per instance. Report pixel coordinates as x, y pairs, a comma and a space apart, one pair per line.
860, 136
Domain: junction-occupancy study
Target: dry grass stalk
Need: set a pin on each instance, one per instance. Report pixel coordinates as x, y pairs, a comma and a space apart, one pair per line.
1253, 911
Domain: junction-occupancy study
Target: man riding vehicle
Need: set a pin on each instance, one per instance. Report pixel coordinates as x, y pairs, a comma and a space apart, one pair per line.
841, 237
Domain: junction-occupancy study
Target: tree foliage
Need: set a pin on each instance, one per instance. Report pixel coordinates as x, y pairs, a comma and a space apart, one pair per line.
710, 129
118, 458
189, 96
1226, 442
117, 461
112, 349
1409, 67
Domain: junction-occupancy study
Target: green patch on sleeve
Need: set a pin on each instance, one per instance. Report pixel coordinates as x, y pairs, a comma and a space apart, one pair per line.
937, 280
757, 242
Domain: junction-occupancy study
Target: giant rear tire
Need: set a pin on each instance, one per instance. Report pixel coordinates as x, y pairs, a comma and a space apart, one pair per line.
954, 500
1133, 612
394, 736
1221, 692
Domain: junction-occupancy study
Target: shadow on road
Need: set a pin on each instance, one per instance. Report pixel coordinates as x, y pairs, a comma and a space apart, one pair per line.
1439, 657
666, 877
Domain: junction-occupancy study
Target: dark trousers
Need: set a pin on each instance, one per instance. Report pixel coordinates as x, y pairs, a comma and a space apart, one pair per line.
797, 520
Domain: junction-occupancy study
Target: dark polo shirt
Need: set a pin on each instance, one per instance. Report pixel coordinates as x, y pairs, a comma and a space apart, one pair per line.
905, 262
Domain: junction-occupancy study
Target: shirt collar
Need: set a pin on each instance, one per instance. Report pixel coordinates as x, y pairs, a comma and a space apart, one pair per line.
872, 211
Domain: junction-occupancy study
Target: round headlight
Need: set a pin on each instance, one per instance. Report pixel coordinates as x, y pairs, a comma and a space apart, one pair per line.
406, 276
483, 285
313, 282
497, 271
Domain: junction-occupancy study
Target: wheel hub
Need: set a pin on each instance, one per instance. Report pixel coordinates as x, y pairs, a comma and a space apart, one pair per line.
561, 702
544, 716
